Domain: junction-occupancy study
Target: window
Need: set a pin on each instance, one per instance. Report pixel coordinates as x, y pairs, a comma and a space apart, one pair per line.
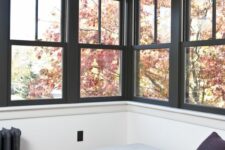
152, 53
153, 73
201, 19
99, 22
99, 38
204, 54
40, 21
100, 73
36, 72
205, 75
206, 19
154, 21
36, 50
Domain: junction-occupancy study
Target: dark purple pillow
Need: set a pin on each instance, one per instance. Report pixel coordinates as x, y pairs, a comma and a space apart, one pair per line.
212, 142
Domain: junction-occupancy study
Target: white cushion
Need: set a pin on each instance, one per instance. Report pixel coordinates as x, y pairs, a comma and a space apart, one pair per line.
129, 147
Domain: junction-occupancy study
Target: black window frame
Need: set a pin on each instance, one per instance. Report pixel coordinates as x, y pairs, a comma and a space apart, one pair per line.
36, 42
128, 46
187, 43
71, 55
152, 46
120, 47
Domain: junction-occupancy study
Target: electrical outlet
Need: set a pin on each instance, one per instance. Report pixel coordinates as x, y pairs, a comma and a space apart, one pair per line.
80, 136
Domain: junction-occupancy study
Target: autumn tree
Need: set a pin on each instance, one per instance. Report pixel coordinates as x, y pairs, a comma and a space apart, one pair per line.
37, 70
205, 76
153, 64
154, 74
100, 69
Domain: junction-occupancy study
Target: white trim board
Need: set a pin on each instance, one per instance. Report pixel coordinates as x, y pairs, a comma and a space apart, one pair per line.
181, 115
25, 112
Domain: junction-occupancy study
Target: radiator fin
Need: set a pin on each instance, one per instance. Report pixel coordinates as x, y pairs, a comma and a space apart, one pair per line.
10, 139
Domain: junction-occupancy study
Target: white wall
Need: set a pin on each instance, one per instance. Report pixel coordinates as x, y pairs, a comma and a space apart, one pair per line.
113, 123
101, 128
173, 131
59, 133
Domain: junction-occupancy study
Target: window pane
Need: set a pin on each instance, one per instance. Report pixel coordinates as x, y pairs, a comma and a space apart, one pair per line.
49, 20
153, 74
146, 22
100, 73
164, 21
205, 76
36, 73
201, 20
110, 22
91, 23
88, 21
220, 19
22, 21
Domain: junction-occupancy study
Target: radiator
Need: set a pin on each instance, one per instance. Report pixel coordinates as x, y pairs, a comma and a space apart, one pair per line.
10, 139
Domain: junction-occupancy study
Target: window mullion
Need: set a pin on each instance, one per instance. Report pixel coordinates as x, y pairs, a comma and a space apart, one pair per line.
186, 17
122, 23
73, 54
137, 22
155, 21
214, 19
63, 20
36, 19
128, 53
175, 86
4, 51
99, 20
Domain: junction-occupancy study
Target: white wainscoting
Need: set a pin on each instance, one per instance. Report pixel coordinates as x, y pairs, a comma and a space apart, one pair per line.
54, 127
169, 128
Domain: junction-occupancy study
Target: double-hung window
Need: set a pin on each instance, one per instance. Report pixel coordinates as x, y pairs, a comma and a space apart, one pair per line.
204, 53
152, 48
100, 45
166, 52
36, 50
